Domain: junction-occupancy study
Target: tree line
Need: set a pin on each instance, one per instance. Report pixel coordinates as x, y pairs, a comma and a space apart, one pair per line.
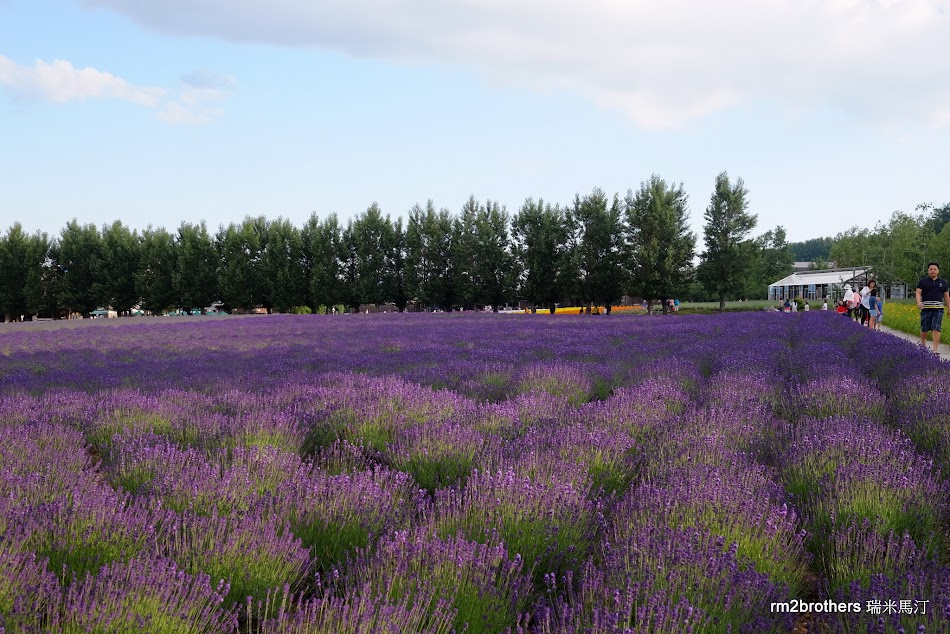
896, 250
593, 250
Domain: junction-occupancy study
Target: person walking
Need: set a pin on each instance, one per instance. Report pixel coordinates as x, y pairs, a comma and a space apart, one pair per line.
866, 301
850, 300
933, 297
872, 306
880, 310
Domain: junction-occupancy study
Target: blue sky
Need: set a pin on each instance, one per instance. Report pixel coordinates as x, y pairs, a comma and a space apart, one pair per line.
835, 113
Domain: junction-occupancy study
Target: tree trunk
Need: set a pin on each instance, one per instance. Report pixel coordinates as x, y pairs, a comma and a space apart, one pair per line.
722, 303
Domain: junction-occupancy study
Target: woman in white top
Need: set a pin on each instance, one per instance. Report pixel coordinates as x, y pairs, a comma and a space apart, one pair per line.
866, 302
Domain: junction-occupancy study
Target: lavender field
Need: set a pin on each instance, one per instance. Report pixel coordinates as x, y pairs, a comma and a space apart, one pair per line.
754, 472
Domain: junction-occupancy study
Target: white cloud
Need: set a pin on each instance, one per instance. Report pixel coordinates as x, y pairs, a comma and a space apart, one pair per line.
175, 113
662, 63
61, 82
196, 99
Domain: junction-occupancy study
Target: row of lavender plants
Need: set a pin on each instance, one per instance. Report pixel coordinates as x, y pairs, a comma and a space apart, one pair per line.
480, 473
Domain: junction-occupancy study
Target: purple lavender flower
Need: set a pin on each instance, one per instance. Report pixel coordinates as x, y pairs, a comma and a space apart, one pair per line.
148, 595
487, 588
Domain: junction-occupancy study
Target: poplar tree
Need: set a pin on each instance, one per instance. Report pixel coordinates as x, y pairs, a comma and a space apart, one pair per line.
540, 244
660, 245
725, 264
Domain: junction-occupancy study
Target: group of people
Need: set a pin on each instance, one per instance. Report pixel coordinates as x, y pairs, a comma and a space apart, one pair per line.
865, 306
791, 306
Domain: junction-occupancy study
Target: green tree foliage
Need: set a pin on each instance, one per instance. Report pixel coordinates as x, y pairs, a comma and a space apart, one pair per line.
906, 242
937, 217
283, 273
324, 257
464, 248
397, 266
482, 259
373, 244
428, 267
586, 252
939, 251
80, 249
241, 272
725, 265
539, 233
660, 246
116, 268
44, 281
155, 277
494, 264
897, 250
349, 269
772, 260
811, 250
196, 267
855, 247
16, 260
597, 260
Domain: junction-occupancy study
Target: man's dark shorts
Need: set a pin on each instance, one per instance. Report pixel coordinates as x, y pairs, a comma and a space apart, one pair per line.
930, 319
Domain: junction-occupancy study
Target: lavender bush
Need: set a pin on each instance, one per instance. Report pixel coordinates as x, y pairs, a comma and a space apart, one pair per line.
480, 473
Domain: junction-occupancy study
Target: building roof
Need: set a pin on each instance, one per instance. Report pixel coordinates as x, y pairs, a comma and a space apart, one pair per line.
823, 276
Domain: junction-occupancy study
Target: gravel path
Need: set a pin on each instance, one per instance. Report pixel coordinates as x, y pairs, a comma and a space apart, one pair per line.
944, 348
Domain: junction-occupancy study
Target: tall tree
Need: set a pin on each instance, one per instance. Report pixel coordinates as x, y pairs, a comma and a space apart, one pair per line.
240, 274
43, 282
196, 266
80, 249
660, 245
482, 260
810, 250
428, 267
155, 277
598, 226
772, 260
15, 263
324, 256
397, 266
907, 244
539, 233
282, 266
493, 266
116, 268
725, 264
464, 251
855, 247
898, 250
349, 268
937, 217
374, 244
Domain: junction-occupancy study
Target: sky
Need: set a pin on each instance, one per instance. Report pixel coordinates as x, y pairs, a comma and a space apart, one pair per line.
835, 113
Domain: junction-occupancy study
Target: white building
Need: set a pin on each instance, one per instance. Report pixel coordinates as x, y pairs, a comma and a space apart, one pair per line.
829, 283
